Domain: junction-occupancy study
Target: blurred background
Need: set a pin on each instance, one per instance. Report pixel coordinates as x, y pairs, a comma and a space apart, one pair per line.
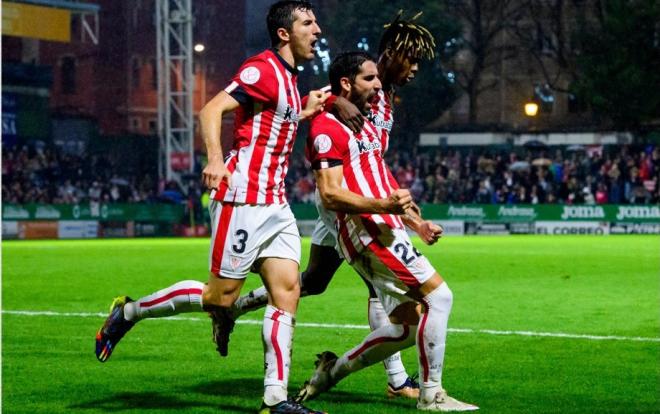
537, 116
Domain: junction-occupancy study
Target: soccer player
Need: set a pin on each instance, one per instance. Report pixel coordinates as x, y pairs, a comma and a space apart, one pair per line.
402, 45
253, 226
354, 181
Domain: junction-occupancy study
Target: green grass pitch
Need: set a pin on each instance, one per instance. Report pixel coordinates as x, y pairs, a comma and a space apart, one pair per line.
606, 289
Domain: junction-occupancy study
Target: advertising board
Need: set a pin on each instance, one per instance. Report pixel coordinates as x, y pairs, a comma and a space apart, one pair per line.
572, 227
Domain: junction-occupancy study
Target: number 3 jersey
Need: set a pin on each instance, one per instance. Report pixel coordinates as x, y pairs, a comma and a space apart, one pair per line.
365, 172
265, 128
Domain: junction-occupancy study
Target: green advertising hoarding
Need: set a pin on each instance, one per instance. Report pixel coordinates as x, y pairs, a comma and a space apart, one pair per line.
543, 212
466, 212
523, 213
168, 213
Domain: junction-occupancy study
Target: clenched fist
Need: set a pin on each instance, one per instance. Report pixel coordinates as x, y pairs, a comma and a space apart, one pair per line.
399, 201
213, 174
429, 232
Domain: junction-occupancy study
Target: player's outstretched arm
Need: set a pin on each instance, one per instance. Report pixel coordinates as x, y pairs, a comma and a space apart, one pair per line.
336, 198
210, 120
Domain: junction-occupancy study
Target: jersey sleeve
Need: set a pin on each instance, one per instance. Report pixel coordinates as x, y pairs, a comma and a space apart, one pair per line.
255, 80
327, 145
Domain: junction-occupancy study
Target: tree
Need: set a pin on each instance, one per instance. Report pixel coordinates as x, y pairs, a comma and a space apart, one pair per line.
353, 25
620, 62
481, 47
546, 33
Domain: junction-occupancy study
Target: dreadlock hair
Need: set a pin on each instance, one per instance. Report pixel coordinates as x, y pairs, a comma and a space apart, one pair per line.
408, 38
280, 14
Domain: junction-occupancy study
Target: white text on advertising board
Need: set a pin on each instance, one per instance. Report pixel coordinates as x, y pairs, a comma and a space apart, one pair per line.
583, 212
638, 212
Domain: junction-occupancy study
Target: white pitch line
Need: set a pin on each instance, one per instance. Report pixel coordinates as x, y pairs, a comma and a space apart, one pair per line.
361, 327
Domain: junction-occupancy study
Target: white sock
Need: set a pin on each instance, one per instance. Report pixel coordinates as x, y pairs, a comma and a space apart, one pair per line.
431, 338
377, 346
255, 299
181, 297
277, 336
396, 372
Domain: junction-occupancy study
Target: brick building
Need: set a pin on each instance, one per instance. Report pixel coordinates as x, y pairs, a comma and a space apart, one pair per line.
114, 83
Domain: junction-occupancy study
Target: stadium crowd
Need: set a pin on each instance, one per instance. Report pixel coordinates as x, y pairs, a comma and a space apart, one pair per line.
616, 174
39, 174
571, 175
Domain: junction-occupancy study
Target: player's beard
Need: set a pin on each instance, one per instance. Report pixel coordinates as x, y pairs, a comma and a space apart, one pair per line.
365, 105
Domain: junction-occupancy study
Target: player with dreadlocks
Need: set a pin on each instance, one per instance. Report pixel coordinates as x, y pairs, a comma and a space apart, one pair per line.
402, 46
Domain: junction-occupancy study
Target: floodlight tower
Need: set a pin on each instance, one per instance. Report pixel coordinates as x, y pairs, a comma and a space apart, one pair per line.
175, 88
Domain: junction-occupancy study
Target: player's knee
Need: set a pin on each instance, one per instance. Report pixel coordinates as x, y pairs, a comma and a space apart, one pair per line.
219, 294
442, 297
285, 297
286, 291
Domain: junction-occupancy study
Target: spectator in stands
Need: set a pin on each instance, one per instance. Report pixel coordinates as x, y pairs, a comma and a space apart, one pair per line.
617, 174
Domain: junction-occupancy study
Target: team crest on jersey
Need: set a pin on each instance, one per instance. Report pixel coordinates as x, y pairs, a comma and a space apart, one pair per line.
250, 75
420, 265
234, 261
322, 144
368, 146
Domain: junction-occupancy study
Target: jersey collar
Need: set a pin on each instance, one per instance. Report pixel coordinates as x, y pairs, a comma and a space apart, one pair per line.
284, 63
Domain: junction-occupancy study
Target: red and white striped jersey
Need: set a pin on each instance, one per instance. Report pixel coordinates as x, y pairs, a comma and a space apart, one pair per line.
382, 116
365, 172
264, 130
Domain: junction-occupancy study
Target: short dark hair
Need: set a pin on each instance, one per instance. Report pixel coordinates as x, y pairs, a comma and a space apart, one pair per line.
346, 65
280, 14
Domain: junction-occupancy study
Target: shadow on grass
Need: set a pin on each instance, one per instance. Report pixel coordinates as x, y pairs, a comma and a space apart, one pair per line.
250, 389
138, 400
247, 389
367, 399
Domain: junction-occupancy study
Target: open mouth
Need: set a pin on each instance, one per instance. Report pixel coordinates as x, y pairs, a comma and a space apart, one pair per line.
313, 44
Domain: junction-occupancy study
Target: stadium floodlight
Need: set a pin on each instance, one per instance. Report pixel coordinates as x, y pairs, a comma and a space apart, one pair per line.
199, 48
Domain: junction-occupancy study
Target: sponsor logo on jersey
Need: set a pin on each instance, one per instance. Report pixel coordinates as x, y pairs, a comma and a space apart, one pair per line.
638, 212
250, 75
322, 144
583, 212
380, 122
367, 146
290, 115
